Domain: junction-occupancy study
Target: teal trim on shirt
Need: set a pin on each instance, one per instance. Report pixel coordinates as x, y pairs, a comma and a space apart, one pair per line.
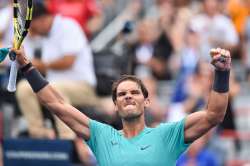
160, 146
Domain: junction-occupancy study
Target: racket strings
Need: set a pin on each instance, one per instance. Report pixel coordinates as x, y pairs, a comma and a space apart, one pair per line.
21, 13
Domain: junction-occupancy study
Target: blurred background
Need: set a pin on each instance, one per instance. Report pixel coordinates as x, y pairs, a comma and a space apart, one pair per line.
82, 46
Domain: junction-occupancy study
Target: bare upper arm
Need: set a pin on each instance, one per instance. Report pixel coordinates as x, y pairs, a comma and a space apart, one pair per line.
196, 125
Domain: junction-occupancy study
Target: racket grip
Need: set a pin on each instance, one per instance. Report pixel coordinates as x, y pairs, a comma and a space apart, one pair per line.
13, 75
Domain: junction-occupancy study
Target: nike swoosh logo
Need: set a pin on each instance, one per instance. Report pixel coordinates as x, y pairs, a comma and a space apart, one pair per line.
145, 147
114, 143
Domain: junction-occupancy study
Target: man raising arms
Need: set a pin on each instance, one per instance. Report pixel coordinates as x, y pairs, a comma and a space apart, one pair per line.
136, 144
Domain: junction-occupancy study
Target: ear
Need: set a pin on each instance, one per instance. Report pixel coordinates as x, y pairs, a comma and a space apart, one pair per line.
147, 102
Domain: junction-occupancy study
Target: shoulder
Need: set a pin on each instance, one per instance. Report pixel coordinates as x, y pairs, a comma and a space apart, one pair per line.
222, 19
66, 22
171, 124
169, 128
95, 123
68, 28
100, 132
101, 127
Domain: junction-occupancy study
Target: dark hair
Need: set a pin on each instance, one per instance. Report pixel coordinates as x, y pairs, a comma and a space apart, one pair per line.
39, 9
130, 78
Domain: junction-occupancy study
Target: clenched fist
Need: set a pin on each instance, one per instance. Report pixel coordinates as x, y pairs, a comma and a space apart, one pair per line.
221, 59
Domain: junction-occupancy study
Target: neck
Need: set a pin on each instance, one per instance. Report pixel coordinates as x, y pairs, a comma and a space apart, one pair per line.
132, 128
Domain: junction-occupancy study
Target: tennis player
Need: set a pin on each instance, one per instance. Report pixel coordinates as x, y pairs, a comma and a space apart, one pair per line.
136, 144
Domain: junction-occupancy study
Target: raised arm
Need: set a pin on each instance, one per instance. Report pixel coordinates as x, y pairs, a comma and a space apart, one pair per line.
198, 123
49, 97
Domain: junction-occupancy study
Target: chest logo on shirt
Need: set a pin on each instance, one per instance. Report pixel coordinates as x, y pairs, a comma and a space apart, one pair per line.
114, 143
145, 147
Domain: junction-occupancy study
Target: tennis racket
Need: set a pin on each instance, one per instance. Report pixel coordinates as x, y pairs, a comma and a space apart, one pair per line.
22, 16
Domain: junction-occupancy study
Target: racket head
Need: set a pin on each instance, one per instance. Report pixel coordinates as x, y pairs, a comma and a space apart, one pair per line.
22, 16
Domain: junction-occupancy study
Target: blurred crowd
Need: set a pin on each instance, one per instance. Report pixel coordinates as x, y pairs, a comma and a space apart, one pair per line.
81, 46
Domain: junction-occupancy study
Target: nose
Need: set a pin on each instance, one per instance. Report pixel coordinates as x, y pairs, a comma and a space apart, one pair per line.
128, 96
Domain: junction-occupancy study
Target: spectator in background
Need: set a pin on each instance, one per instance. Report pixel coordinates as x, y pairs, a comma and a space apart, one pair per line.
112, 8
214, 28
173, 18
6, 37
151, 51
177, 29
198, 154
86, 12
194, 93
185, 62
246, 48
238, 10
154, 114
4, 3
6, 27
161, 59
65, 58
60, 50
150, 54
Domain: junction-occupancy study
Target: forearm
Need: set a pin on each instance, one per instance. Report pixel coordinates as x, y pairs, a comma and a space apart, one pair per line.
52, 99
77, 121
200, 122
218, 100
40, 86
62, 64
217, 106
73, 118
95, 23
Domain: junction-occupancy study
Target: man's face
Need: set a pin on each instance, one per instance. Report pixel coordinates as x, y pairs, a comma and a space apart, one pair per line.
130, 102
41, 25
210, 6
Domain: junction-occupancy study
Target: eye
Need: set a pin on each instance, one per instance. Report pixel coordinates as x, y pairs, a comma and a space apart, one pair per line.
135, 92
121, 94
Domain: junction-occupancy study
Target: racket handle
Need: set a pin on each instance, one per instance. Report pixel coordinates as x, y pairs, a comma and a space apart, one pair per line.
13, 75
